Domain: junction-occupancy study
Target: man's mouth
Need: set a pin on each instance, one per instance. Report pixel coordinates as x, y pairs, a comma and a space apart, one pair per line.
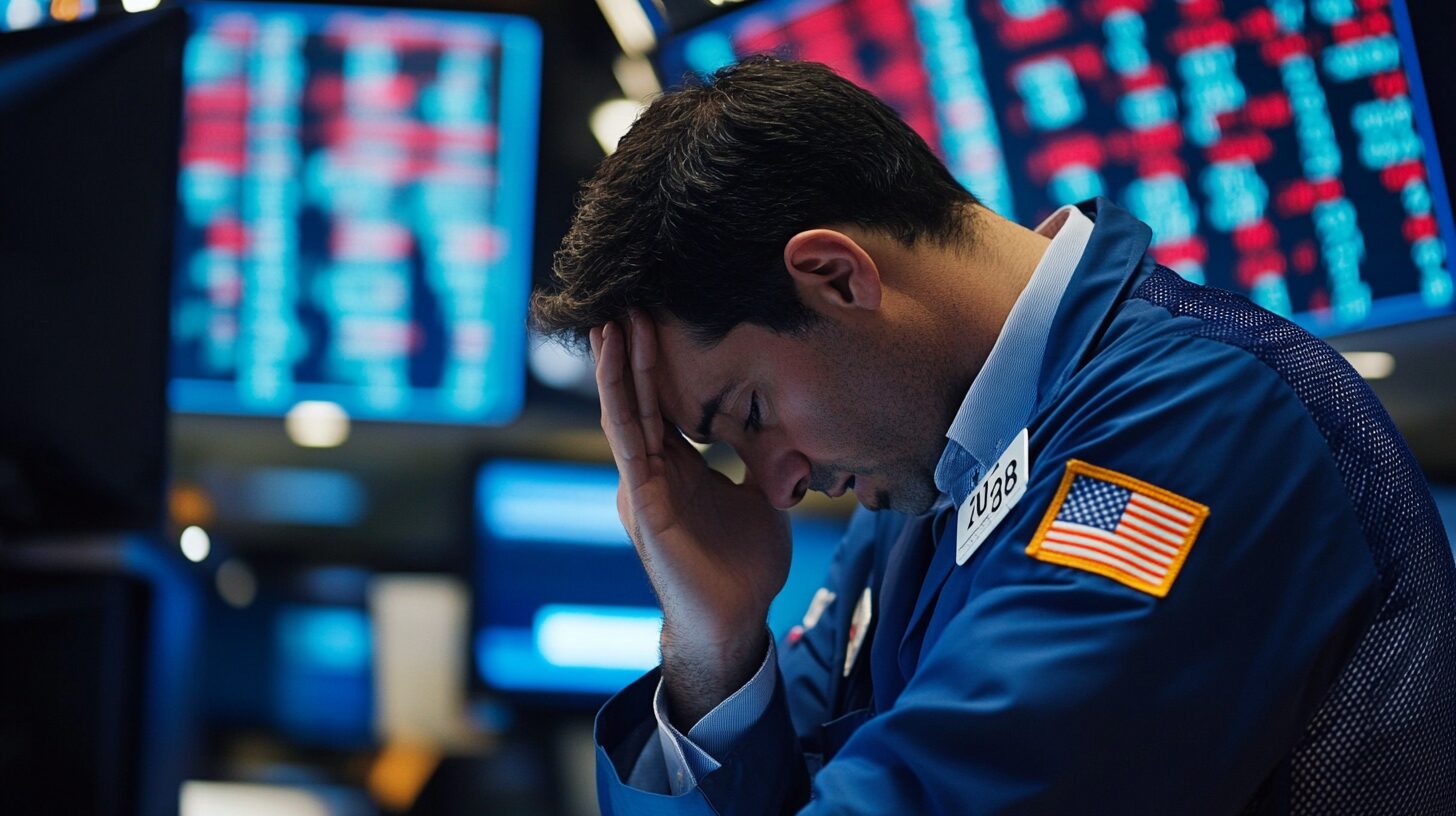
844, 487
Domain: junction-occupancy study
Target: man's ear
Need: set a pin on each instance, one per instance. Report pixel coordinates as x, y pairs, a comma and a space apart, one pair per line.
831, 270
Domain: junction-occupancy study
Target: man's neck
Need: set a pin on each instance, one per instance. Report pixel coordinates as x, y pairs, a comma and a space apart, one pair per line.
981, 283
953, 299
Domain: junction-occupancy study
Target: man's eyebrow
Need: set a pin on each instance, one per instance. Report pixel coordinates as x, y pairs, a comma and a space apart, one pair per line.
710, 411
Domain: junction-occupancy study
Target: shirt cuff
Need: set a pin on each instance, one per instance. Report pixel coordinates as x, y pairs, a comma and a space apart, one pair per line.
690, 758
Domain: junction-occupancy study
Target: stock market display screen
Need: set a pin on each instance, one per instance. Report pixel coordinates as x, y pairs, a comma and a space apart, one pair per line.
356, 197
1279, 148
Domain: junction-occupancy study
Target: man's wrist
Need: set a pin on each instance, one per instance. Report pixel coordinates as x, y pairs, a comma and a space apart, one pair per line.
701, 671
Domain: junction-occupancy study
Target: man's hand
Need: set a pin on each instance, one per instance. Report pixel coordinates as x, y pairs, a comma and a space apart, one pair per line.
715, 552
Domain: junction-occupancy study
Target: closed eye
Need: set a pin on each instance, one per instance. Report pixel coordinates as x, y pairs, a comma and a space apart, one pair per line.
754, 422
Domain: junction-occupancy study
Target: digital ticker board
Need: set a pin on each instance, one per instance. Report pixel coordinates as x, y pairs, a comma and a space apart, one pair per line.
356, 198
1279, 148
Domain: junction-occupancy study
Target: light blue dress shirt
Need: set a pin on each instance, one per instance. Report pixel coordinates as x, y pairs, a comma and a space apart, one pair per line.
999, 402
995, 409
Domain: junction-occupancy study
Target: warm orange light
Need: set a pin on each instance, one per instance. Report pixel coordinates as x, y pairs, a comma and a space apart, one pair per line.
65, 10
189, 505
400, 773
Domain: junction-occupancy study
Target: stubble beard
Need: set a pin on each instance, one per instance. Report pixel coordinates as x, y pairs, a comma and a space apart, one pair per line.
903, 424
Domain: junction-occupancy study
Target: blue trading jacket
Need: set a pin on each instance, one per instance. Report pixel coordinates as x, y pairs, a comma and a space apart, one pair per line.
1303, 661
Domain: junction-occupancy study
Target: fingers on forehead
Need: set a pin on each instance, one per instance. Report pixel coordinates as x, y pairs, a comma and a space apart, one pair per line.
619, 419
644, 352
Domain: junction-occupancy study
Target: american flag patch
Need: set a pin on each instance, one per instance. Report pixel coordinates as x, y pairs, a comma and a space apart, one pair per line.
1109, 523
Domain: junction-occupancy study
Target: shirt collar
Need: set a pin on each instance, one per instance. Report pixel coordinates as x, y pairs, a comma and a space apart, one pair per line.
1002, 396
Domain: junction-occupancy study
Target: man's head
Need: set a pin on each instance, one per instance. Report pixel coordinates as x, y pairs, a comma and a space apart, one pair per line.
769, 220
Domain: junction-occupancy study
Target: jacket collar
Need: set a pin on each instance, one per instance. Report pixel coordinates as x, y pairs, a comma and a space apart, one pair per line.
1042, 342
1112, 264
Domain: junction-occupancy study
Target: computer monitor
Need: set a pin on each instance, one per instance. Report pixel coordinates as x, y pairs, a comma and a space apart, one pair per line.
88, 159
1278, 148
357, 192
78, 642
298, 661
100, 641
563, 608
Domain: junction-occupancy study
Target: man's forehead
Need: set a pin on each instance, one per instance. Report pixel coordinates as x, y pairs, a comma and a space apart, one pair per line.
691, 378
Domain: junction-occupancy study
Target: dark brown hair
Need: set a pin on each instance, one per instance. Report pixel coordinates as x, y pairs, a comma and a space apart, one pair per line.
689, 217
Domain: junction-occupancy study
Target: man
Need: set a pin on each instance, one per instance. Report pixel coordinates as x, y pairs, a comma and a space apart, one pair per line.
1136, 546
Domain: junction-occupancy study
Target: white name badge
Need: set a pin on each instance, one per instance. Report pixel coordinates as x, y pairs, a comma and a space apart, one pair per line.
999, 491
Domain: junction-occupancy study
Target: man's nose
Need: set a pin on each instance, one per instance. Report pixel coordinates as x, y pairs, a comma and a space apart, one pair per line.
781, 472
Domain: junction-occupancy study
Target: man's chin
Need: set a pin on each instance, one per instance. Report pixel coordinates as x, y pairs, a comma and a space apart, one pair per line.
911, 502
876, 499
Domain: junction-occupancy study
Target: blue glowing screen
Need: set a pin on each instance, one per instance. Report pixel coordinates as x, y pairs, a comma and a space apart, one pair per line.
562, 604
356, 198
323, 681
1279, 148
